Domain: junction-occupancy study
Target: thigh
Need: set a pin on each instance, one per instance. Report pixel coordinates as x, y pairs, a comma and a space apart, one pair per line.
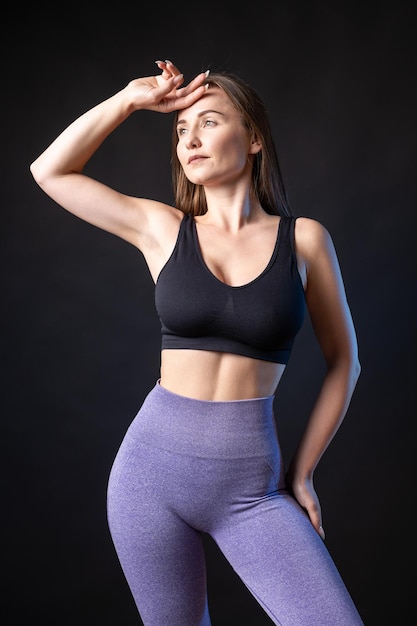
162, 557
273, 547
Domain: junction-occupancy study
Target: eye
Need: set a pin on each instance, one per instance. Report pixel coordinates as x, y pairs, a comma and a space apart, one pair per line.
209, 123
181, 131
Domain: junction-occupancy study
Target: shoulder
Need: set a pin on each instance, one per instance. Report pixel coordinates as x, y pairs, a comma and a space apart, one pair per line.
157, 226
311, 237
160, 219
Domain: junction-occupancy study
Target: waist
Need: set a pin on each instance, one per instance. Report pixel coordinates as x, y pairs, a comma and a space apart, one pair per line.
231, 429
218, 376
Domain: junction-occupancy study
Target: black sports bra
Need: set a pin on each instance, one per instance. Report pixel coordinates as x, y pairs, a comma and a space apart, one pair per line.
259, 319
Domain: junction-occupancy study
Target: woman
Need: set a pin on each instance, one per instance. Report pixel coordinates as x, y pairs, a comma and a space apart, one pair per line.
234, 273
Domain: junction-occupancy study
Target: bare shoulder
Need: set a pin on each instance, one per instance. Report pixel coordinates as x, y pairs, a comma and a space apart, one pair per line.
311, 238
158, 235
158, 223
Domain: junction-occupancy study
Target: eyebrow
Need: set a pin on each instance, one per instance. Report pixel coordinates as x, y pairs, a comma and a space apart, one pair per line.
201, 114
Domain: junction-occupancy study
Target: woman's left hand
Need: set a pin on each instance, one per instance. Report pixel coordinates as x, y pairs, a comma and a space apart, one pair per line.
305, 494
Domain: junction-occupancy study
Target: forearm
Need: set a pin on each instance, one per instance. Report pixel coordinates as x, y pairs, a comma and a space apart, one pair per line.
72, 149
326, 417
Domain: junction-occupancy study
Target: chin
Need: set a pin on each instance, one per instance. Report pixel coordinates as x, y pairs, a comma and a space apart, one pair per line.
197, 180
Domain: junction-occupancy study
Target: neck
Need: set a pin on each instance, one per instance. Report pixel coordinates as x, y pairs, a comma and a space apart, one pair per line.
231, 211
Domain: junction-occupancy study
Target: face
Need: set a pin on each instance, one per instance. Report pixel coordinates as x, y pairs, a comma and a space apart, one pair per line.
213, 144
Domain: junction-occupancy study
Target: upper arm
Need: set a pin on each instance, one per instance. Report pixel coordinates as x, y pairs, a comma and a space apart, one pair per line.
136, 220
325, 292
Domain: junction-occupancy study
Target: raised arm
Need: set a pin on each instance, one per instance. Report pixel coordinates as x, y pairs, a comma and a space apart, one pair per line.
58, 170
334, 329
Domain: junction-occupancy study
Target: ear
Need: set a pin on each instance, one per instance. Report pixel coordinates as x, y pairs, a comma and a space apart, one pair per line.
255, 145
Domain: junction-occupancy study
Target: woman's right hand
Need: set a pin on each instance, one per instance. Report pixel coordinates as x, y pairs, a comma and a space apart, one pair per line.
163, 92
59, 169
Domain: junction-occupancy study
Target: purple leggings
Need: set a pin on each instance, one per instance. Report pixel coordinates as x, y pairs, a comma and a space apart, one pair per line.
187, 467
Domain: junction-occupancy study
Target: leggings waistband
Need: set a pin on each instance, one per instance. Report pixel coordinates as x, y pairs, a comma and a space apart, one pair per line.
218, 429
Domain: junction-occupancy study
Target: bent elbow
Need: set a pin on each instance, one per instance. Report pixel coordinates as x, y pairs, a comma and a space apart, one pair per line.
348, 367
356, 369
36, 172
42, 171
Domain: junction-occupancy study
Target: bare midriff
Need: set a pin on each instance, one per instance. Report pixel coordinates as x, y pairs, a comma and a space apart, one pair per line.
218, 376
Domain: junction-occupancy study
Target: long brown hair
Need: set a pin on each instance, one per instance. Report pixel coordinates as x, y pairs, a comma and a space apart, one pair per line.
267, 180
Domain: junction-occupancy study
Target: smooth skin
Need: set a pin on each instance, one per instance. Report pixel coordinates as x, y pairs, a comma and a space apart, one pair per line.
236, 238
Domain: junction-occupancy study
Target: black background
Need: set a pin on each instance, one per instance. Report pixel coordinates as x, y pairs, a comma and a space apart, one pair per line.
80, 336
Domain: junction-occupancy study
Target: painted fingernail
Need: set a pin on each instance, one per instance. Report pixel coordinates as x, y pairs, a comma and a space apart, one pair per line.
168, 62
178, 79
158, 62
207, 72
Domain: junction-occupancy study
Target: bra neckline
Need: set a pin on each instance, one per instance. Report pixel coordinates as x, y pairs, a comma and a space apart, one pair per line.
218, 280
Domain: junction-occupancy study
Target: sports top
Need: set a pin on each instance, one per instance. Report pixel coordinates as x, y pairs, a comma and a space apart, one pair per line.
200, 312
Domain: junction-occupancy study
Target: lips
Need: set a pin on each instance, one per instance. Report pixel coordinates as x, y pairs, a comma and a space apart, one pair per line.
196, 157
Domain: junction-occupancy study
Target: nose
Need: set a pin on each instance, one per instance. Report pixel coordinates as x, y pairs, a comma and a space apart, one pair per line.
193, 140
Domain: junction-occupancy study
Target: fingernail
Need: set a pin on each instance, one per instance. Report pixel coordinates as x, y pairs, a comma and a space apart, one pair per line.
158, 62
178, 79
207, 72
321, 532
168, 62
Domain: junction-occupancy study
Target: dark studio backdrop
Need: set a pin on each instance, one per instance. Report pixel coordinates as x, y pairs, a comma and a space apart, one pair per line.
80, 335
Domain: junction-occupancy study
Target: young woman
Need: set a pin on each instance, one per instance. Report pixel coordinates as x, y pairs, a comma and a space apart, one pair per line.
234, 274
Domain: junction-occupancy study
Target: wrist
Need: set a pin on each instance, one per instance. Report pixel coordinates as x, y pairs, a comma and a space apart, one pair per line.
124, 102
299, 475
